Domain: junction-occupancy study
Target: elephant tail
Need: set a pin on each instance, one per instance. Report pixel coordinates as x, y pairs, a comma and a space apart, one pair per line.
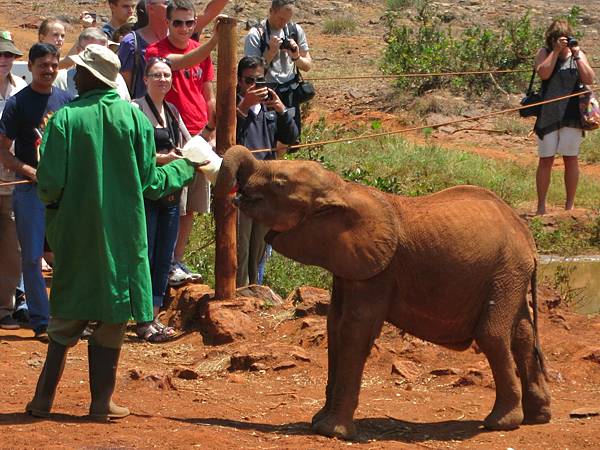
536, 336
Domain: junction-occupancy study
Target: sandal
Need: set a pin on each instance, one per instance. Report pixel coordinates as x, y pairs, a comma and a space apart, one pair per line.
154, 332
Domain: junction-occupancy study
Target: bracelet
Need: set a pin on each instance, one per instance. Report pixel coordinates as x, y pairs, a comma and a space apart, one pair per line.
208, 127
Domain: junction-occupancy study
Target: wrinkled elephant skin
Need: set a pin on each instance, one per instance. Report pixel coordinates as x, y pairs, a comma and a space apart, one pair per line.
452, 268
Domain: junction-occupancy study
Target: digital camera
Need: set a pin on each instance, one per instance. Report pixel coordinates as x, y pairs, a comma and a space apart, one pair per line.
286, 44
572, 42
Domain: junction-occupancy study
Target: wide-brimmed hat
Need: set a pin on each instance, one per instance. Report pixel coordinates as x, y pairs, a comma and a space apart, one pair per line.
101, 62
7, 44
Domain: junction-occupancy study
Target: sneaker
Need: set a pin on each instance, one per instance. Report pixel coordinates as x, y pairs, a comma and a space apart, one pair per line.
177, 276
21, 316
8, 323
41, 331
195, 277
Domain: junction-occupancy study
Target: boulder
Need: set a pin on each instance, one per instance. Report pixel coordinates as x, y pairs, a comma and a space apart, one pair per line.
264, 293
273, 356
406, 369
187, 306
226, 321
309, 301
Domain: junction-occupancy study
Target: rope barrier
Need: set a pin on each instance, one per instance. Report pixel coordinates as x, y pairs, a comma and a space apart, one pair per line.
421, 127
13, 183
422, 75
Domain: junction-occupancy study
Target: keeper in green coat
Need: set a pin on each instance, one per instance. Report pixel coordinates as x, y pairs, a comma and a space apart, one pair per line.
97, 163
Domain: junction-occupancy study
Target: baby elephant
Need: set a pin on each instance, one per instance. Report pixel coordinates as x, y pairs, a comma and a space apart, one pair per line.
452, 268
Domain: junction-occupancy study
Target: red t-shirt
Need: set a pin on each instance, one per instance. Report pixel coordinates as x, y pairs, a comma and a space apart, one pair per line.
186, 93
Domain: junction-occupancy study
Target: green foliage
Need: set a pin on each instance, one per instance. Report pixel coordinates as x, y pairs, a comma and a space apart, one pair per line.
339, 25
590, 147
284, 275
568, 237
429, 47
562, 284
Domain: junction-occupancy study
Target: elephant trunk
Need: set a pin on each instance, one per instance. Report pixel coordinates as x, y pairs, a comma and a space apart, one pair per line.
238, 164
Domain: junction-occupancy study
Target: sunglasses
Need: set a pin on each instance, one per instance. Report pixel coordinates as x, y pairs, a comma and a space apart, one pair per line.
7, 55
158, 76
251, 80
180, 23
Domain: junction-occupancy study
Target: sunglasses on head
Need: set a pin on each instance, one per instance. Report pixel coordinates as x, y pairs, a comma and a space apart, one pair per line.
7, 55
250, 80
180, 23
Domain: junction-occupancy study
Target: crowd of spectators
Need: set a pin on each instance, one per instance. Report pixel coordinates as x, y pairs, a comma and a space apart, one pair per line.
167, 74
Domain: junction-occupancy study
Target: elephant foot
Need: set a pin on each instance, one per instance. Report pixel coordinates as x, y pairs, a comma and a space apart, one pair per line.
536, 407
509, 420
320, 415
330, 426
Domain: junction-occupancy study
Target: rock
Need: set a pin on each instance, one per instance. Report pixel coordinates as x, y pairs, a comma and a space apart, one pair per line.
224, 323
581, 413
187, 306
592, 355
264, 293
163, 382
273, 356
185, 373
135, 374
471, 378
311, 322
406, 369
447, 371
309, 301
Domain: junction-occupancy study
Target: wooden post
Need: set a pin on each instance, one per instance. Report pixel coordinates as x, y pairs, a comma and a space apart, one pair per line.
225, 212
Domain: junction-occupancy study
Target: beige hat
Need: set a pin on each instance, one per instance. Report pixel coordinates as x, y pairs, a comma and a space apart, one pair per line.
101, 62
7, 44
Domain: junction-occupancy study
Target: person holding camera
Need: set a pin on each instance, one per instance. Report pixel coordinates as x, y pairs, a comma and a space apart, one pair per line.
262, 120
282, 43
564, 69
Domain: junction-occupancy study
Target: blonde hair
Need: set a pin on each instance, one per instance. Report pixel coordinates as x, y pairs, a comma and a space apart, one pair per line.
557, 29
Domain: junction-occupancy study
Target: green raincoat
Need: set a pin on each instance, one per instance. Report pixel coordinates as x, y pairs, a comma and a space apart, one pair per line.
97, 163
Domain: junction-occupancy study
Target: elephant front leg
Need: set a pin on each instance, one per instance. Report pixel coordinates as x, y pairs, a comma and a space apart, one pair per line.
353, 332
333, 319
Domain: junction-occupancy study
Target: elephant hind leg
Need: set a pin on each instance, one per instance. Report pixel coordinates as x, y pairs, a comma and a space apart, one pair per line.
536, 397
493, 336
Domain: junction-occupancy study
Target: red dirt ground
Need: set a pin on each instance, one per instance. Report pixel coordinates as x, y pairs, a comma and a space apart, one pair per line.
438, 402
438, 399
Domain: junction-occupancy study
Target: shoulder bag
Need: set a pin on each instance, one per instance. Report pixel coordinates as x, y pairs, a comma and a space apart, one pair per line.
530, 98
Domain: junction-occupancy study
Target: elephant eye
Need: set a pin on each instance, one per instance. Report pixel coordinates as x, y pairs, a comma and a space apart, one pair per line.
279, 183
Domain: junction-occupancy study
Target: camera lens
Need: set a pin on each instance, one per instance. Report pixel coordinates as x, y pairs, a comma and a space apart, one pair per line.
572, 42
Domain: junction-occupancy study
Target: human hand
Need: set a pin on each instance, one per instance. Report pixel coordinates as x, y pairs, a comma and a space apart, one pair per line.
560, 44
293, 50
166, 158
274, 44
88, 19
30, 173
254, 96
274, 102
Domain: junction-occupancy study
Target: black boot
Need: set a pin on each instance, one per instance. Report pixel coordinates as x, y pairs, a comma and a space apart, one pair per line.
103, 363
42, 401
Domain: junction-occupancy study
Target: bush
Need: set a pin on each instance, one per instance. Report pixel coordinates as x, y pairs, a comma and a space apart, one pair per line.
341, 25
429, 47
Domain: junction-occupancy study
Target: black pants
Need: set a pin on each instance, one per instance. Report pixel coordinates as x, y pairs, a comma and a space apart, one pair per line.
288, 97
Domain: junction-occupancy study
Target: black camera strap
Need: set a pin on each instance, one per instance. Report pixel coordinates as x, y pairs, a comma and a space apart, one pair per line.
171, 120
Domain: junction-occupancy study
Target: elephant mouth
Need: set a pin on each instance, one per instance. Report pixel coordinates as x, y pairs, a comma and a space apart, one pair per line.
270, 236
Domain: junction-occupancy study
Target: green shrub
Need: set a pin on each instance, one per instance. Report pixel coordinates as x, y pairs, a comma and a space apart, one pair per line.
430, 47
340, 25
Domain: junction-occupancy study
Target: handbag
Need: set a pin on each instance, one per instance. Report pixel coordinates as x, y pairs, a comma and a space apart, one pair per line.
305, 90
589, 110
530, 98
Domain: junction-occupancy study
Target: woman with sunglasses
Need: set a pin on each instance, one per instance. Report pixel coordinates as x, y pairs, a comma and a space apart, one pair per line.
162, 216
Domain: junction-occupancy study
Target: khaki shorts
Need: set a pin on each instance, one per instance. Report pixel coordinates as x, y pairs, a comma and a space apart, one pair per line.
564, 141
196, 196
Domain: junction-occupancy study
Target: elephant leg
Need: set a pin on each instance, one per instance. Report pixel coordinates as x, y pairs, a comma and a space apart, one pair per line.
493, 336
333, 319
356, 329
536, 397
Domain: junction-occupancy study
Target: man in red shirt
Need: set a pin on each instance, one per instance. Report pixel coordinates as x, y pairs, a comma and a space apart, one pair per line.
193, 96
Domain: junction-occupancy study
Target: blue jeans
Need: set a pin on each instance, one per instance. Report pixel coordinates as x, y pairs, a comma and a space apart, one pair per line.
162, 224
29, 218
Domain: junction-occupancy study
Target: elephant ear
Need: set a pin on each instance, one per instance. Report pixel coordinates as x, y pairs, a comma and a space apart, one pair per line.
354, 236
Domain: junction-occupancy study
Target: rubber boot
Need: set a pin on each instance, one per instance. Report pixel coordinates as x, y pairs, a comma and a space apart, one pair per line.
103, 363
45, 390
